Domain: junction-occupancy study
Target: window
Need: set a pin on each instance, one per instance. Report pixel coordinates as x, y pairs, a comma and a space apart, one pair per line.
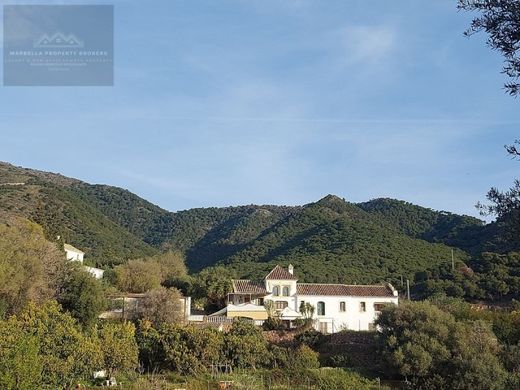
285, 291
280, 305
378, 306
276, 291
342, 306
321, 308
324, 327
362, 306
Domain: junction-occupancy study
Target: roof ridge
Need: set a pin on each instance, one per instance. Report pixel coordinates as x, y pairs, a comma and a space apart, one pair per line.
348, 285
280, 273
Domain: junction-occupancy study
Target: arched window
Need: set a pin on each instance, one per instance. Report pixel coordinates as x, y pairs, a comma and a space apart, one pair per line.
276, 291
285, 291
321, 308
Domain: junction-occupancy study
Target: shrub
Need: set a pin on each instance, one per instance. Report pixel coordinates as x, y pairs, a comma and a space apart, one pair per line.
274, 323
278, 356
119, 347
304, 357
435, 350
162, 306
245, 345
311, 337
339, 360
183, 349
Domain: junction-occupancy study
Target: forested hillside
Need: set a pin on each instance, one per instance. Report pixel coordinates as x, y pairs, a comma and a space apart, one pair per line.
330, 240
461, 231
335, 241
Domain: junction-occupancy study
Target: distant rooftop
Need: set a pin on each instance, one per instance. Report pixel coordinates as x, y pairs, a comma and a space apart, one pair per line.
279, 273
71, 248
344, 290
242, 286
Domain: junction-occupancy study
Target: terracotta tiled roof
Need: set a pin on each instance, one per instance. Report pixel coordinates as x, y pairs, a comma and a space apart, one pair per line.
279, 273
344, 290
249, 287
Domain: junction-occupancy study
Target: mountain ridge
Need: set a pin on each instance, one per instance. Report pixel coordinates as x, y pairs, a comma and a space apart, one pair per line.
329, 240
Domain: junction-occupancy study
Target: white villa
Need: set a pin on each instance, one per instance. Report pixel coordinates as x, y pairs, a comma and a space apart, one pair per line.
336, 306
74, 254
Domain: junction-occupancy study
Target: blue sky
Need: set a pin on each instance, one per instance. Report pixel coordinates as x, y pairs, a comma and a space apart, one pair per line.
220, 103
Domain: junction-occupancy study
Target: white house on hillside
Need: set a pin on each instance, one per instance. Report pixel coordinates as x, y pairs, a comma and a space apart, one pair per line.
336, 306
74, 254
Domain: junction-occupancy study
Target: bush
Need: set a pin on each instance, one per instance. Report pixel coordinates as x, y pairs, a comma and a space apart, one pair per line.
82, 296
339, 361
119, 347
183, 349
278, 356
273, 323
434, 350
304, 357
245, 345
20, 363
162, 306
311, 337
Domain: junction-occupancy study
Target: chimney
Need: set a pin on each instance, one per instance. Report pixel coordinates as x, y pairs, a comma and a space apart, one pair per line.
290, 269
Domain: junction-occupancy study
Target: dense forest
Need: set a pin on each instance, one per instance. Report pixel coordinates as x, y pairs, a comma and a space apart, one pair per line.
330, 240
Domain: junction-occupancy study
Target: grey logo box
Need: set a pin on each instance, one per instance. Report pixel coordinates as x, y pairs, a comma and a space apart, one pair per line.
58, 45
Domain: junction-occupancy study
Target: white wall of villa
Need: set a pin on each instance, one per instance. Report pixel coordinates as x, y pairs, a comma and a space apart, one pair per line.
344, 312
95, 272
336, 306
73, 254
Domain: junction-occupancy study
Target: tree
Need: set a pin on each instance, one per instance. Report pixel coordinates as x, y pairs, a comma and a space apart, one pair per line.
31, 268
138, 276
151, 352
20, 363
68, 354
500, 19
307, 312
162, 306
434, 350
141, 275
475, 361
172, 265
214, 284
245, 345
82, 296
304, 358
506, 206
119, 347
189, 350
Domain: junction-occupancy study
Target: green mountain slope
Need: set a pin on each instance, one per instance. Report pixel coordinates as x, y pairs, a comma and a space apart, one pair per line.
113, 225
53, 202
328, 241
335, 241
460, 231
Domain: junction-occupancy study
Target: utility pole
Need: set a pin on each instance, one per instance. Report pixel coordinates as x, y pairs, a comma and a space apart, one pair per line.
452, 261
408, 288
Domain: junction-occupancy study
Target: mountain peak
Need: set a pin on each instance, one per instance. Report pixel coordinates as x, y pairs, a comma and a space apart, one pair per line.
330, 198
